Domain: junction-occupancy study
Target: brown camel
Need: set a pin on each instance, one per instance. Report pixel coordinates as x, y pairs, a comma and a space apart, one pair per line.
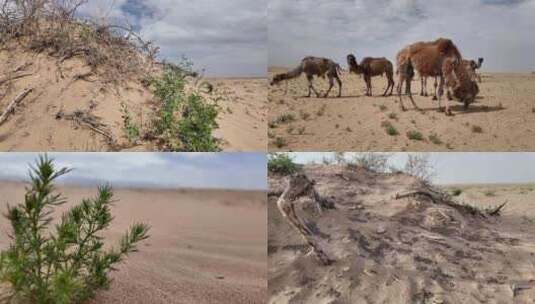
459, 79
370, 67
300, 185
314, 66
427, 58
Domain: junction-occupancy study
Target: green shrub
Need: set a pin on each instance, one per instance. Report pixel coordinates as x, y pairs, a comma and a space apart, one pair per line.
456, 192
183, 122
435, 139
281, 163
389, 128
415, 135
130, 129
67, 264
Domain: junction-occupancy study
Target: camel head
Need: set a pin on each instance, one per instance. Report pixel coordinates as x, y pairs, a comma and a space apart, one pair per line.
479, 62
300, 185
277, 78
352, 64
467, 88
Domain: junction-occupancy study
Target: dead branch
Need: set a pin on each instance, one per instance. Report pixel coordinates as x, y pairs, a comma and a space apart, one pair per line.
87, 120
18, 76
12, 105
497, 210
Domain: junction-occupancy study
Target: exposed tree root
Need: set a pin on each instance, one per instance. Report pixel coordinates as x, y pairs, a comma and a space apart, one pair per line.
443, 198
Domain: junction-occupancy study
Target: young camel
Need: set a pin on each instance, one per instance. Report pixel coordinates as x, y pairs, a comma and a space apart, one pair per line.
427, 58
474, 66
371, 67
314, 66
298, 186
460, 81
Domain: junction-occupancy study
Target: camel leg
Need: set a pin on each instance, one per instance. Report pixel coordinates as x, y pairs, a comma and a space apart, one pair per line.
400, 84
391, 84
387, 87
439, 97
435, 92
331, 84
311, 87
339, 85
408, 91
423, 84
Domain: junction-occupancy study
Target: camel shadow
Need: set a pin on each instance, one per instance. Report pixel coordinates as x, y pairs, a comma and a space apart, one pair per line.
460, 110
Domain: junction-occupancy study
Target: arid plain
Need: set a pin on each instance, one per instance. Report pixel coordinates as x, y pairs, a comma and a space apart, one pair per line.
204, 245
501, 119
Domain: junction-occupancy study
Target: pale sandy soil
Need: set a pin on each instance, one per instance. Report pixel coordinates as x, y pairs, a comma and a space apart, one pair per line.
205, 246
35, 126
402, 251
505, 112
243, 116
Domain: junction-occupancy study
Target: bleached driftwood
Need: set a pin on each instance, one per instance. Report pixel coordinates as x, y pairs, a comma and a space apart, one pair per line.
12, 105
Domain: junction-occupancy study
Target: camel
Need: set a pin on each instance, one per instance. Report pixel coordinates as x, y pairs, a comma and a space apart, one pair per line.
298, 186
427, 57
314, 66
371, 67
474, 66
460, 81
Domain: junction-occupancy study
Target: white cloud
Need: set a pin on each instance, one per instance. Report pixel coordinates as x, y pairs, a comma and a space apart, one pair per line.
224, 37
496, 30
205, 170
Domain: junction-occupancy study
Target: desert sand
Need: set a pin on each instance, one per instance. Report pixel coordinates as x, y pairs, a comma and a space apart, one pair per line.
408, 250
502, 119
61, 88
205, 246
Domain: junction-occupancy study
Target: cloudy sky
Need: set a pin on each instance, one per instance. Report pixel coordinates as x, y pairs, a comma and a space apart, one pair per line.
165, 170
227, 38
501, 31
459, 168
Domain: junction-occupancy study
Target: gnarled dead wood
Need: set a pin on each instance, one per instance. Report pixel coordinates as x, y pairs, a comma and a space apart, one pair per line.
299, 185
12, 105
87, 120
443, 198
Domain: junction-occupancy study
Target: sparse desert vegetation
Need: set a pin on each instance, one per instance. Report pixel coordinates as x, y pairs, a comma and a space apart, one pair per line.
67, 82
506, 98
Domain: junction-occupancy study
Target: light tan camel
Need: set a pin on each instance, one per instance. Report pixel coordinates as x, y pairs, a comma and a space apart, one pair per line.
370, 67
300, 185
314, 66
427, 57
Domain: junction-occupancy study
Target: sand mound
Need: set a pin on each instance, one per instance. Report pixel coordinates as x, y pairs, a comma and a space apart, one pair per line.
388, 250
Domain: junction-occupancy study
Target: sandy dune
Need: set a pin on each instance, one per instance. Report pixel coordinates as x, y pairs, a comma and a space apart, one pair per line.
504, 112
205, 246
57, 87
243, 116
409, 250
